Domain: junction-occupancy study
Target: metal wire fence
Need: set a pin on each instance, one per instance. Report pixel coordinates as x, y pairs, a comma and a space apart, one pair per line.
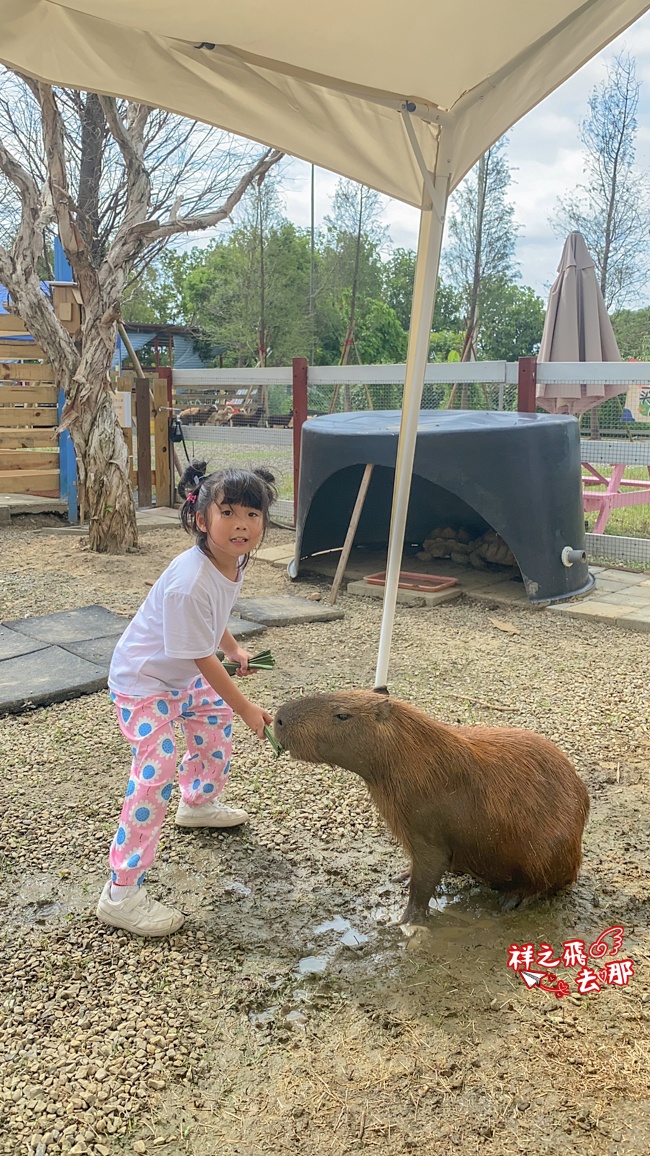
244, 417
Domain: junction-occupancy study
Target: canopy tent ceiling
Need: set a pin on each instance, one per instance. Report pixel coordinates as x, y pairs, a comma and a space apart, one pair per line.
324, 84
404, 100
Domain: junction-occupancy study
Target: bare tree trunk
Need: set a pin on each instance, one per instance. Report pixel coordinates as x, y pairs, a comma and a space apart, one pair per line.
262, 393
349, 333
102, 453
472, 310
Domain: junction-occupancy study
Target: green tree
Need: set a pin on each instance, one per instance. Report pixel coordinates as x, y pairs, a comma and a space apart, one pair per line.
446, 345
252, 282
482, 236
512, 320
156, 297
381, 340
350, 267
611, 208
632, 332
398, 274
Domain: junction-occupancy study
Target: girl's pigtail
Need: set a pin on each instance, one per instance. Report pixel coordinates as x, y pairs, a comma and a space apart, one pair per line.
267, 477
192, 476
188, 511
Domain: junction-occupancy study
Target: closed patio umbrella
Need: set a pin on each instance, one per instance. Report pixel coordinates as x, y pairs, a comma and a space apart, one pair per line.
577, 328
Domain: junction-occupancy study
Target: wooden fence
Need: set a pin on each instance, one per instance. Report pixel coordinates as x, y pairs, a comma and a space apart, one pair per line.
29, 451
150, 412
32, 459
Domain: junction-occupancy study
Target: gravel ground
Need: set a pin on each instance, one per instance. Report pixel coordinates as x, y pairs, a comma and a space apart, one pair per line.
289, 1016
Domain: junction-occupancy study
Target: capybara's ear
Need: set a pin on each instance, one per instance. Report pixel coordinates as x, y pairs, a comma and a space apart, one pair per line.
382, 708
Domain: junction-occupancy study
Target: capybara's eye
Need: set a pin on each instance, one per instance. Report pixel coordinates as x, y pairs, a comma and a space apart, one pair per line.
343, 716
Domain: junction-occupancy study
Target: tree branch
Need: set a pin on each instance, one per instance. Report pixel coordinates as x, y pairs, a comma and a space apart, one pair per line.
54, 142
155, 232
18, 176
129, 139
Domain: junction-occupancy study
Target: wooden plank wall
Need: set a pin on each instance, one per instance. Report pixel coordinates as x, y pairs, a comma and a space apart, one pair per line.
29, 452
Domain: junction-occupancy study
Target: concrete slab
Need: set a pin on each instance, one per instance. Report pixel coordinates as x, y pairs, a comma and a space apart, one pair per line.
46, 676
12, 505
601, 589
598, 611
12, 644
71, 625
364, 590
405, 597
241, 628
625, 577
506, 592
627, 597
157, 517
276, 555
99, 651
638, 620
285, 611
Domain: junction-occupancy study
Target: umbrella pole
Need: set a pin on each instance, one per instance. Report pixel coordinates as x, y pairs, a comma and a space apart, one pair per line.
432, 219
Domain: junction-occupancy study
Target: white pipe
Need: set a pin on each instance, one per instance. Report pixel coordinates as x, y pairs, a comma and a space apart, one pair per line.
432, 220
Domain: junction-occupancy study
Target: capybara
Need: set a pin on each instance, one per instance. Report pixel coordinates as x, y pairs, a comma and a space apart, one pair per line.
501, 804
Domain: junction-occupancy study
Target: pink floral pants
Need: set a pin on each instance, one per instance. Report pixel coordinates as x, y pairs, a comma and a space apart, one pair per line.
148, 724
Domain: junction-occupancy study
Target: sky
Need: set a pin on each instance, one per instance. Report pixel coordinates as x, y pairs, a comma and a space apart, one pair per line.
546, 160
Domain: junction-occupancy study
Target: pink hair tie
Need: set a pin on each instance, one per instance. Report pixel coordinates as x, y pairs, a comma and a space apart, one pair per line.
191, 498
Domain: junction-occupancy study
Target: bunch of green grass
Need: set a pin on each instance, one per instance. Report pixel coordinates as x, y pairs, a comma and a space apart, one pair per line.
262, 661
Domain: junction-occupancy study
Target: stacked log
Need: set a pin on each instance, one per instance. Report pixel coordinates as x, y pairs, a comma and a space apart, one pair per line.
466, 549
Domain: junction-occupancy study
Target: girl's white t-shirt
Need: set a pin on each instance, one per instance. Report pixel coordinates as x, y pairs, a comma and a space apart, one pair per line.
183, 617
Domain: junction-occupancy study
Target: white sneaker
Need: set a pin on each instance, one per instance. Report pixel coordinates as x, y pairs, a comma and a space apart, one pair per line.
214, 814
138, 913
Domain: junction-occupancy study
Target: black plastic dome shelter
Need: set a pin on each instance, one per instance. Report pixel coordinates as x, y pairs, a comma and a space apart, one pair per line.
517, 473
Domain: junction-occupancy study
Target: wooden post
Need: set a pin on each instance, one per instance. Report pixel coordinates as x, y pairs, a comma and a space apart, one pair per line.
166, 372
527, 385
349, 537
299, 418
161, 444
143, 431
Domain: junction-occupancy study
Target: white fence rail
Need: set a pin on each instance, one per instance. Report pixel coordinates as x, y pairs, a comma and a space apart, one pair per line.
621, 373
616, 453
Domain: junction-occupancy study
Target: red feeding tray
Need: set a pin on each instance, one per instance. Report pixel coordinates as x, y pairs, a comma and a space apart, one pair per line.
429, 583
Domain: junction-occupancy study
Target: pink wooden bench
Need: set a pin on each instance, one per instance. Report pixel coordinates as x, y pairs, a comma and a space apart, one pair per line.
617, 455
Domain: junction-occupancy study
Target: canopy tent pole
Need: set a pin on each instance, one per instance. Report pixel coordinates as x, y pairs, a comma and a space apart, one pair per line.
432, 220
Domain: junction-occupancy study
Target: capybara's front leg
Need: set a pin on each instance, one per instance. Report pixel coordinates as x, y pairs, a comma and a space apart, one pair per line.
427, 870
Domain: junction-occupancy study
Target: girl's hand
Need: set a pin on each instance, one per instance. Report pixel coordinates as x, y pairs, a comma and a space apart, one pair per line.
241, 657
256, 718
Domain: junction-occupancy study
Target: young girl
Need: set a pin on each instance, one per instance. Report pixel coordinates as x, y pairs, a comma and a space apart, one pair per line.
165, 670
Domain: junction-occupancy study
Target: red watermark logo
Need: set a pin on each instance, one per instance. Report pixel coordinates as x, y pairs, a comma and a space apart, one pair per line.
525, 959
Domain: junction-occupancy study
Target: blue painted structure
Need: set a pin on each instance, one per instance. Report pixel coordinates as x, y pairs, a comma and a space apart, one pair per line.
67, 457
67, 467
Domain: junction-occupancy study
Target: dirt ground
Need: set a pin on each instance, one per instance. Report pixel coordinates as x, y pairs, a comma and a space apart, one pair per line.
290, 1014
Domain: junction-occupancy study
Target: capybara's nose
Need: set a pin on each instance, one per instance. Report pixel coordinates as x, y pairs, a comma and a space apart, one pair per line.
277, 722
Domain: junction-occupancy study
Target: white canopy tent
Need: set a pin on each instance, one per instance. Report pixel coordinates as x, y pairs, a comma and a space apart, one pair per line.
403, 100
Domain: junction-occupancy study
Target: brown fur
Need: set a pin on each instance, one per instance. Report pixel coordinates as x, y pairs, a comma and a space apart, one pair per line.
503, 805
